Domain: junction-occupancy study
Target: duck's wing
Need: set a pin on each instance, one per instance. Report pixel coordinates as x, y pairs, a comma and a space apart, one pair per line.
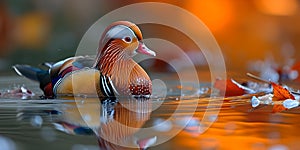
84, 61
70, 64
63, 67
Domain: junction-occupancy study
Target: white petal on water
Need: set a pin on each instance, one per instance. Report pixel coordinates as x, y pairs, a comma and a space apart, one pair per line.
266, 99
289, 103
23, 90
255, 101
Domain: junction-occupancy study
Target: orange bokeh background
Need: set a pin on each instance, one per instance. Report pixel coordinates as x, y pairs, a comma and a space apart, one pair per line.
246, 31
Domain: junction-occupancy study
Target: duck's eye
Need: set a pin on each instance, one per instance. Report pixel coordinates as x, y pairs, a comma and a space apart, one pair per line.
127, 39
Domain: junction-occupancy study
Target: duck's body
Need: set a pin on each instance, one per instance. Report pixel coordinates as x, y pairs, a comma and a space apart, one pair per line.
112, 72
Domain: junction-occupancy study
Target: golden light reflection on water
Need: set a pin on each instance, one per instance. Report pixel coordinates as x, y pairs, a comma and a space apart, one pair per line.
237, 126
240, 127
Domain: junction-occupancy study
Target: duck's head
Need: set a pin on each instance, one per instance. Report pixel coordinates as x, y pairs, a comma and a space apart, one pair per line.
123, 37
119, 43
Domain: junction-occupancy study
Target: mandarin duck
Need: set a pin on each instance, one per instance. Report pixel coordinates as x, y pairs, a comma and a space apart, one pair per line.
111, 73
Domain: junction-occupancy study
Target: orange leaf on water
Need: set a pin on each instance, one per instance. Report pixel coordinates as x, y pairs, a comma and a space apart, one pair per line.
281, 93
278, 108
229, 88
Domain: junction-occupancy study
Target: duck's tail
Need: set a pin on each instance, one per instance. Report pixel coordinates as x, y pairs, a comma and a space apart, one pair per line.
36, 74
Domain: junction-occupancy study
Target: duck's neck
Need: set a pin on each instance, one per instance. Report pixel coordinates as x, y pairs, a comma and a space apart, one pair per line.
126, 74
111, 58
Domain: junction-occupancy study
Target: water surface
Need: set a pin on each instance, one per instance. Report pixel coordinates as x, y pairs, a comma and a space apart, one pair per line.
175, 122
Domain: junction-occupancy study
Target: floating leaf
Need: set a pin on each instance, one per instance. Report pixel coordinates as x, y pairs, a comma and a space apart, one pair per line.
278, 108
229, 88
281, 93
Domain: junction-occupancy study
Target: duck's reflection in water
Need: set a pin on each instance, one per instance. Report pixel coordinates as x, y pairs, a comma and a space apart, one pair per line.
113, 122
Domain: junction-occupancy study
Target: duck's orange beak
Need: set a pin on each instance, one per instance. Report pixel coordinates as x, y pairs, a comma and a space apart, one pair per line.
143, 49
